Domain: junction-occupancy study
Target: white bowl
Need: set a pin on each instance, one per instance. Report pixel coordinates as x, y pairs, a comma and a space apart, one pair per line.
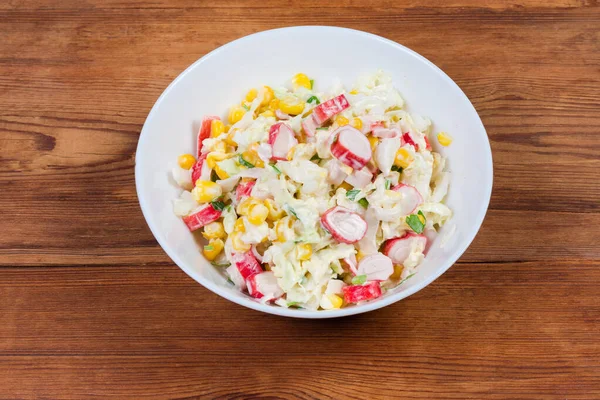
219, 79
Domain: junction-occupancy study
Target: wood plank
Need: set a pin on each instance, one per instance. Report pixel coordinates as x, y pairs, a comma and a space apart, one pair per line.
143, 332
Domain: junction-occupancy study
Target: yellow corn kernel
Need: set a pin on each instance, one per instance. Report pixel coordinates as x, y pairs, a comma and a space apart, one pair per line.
213, 157
398, 268
244, 207
403, 158
275, 212
216, 128
444, 139
303, 251
237, 244
257, 213
360, 255
220, 172
291, 106
268, 114
215, 246
421, 218
220, 147
268, 96
373, 141
336, 301
229, 139
227, 128
357, 123
274, 105
186, 161
214, 230
354, 91
346, 185
252, 157
235, 114
251, 95
284, 229
206, 191
341, 120
239, 225
301, 80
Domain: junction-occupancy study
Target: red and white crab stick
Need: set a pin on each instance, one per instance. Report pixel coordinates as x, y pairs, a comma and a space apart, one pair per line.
203, 216
351, 147
281, 139
344, 225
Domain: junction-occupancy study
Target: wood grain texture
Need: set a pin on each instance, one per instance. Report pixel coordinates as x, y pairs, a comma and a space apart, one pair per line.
91, 307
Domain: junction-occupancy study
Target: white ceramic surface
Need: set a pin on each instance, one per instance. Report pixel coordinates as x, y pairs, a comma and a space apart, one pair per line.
218, 80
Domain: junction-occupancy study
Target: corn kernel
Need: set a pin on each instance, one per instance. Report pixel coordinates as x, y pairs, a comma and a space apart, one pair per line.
357, 123
237, 243
186, 161
252, 157
268, 114
301, 80
227, 128
354, 91
215, 246
244, 207
421, 218
341, 120
220, 147
303, 251
206, 191
346, 185
275, 212
403, 158
229, 139
251, 95
284, 229
236, 113
220, 172
214, 230
239, 225
360, 255
216, 128
336, 301
213, 157
373, 141
268, 96
291, 106
274, 105
397, 274
257, 213
444, 139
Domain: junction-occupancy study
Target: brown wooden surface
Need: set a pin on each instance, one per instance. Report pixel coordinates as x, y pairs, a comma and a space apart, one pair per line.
91, 307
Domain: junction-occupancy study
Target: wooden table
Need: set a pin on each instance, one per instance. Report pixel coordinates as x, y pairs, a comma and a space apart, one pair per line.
91, 307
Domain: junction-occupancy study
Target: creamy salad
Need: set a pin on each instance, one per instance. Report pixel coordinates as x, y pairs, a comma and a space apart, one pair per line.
313, 199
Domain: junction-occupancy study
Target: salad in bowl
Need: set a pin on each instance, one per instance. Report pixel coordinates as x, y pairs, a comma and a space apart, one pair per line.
311, 199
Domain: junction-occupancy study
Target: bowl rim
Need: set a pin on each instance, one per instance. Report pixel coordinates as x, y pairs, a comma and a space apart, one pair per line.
301, 313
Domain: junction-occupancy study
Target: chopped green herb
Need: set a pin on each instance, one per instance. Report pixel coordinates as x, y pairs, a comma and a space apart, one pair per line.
275, 168
351, 194
397, 169
416, 223
292, 303
246, 107
245, 163
359, 279
217, 205
313, 98
209, 247
315, 158
312, 84
388, 184
291, 211
230, 281
363, 202
213, 176
228, 208
223, 265
323, 128
405, 279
